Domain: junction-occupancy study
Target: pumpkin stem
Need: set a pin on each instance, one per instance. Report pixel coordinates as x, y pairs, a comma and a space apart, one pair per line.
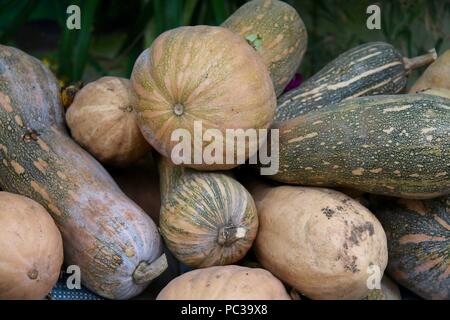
178, 109
146, 272
230, 234
420, 61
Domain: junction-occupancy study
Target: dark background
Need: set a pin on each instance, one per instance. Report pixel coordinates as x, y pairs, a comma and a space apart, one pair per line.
114, 32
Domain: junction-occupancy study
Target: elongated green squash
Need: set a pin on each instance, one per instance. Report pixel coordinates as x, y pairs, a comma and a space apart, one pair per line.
418, 233
369, 69
395, 145
114, 243
207, 219
277, 32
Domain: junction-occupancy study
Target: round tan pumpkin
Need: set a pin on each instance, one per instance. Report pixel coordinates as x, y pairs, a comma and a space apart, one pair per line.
204, 76
101, 119
31, 251
225, 283
319, 241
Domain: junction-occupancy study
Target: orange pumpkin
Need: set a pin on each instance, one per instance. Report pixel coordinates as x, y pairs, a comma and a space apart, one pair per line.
31, 251
206, 74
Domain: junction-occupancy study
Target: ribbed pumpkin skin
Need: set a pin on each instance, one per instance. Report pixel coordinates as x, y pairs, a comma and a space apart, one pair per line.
101, 119
104, 232
225, 283
281, 32
418, 233
369, 69
196, 207
319, 241
31, 252
201, 73
394, 145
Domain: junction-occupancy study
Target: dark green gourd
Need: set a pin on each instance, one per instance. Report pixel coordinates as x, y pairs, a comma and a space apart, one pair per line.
369, 69
418, 233
114, 243
396, 145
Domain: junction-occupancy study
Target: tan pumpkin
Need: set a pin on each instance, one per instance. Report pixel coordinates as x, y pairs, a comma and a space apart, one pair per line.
438, 92
319, 241
101, 119
31, 251
206, 218
437, 75
207, 74
225, 283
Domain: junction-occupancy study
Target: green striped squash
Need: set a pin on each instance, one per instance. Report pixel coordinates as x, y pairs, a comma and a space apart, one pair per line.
396, 145
276, 32
369, 69
207, 219
418, 233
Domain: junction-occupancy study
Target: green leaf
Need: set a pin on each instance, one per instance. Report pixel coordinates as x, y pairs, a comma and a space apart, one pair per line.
220, 11
84, 37
255, 41
19, 19
188, 12
137, 31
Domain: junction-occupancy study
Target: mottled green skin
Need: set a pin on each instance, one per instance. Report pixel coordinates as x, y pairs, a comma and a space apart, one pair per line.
195, 206
418, 233
104, 232
369, 69
396, 145
281, 32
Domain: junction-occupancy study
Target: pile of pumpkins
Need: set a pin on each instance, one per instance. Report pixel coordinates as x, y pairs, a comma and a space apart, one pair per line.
350, 127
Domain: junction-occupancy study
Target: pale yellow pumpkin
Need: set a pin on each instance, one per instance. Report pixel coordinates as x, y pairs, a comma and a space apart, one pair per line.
31, 251
101, 119
320, 241
206, 74
225, 283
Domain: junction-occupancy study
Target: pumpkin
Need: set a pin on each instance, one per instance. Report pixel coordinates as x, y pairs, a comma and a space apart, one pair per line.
319, 241
101, 119
276, 31
206, 218
115, 244
372, 68
197, 78
225, 283
394, 145
418, 233
437, 75
31, 252
438, 92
